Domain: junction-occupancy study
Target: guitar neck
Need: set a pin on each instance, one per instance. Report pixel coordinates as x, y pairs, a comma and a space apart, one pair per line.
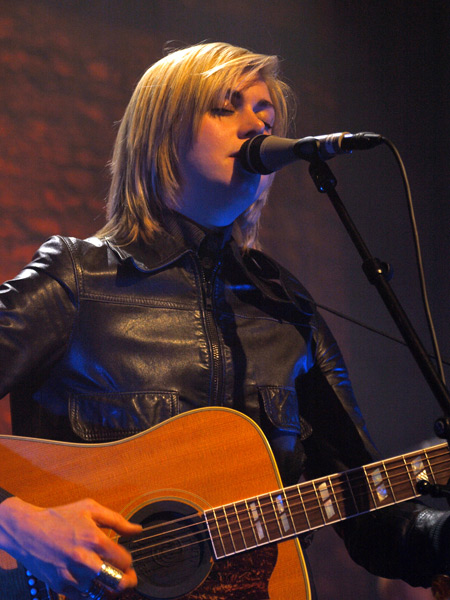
288, 512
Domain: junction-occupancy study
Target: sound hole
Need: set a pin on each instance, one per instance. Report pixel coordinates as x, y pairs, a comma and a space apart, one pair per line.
172, 556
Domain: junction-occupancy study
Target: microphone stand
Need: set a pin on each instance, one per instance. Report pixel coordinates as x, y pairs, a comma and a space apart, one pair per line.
378, 274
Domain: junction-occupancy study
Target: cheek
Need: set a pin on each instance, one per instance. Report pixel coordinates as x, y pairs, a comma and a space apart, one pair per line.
210, 132
208, 143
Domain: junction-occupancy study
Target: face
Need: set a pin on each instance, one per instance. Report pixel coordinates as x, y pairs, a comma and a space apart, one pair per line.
216, 189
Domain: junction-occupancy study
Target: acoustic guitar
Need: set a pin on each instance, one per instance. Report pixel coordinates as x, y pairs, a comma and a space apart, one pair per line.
217, 522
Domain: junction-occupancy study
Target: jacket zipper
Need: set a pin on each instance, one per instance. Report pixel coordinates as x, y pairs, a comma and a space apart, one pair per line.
212, 333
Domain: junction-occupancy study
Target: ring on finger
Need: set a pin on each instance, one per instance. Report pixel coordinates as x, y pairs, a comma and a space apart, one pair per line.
109, 576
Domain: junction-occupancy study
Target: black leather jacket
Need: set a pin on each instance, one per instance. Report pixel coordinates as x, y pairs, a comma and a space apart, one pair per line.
99, 342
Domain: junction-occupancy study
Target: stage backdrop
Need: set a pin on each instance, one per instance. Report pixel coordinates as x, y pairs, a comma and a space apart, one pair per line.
68, 69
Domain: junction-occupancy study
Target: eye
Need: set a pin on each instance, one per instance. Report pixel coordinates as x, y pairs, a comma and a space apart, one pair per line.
268, 126
264, 117
222, 111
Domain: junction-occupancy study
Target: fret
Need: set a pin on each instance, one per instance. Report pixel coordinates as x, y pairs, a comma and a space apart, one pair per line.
422, 465
247, 524
429, 466
439, 460
234, 527
268, 523
436, 458
225, 532
295, 502
257, 521
237, 520
349, 485
343, 494
286, 503
328, 501
229, 531
399, 478
285, 521
413, 487
336, 502
277, 520
251, 521
418, 468
374, 501
360, 491
319, 503
383, 463
379, 487
312, 505
214, 533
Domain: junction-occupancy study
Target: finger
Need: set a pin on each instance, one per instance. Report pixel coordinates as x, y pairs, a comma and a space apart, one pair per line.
109, 576
87, 579
115, 579
129, 580
103, 545
108, 550
105, 517
85, 564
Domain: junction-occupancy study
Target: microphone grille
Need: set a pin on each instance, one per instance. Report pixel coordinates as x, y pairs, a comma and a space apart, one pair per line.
250, 155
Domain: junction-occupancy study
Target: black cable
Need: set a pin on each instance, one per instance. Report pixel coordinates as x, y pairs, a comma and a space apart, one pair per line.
388, 336
423, 288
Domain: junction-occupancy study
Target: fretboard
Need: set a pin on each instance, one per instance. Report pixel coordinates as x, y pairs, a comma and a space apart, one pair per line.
288, 512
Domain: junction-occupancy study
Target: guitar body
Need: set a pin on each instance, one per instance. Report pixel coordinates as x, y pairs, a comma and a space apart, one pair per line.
189, 464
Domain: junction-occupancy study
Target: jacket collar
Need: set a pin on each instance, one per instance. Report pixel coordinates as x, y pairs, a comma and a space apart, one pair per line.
179, 236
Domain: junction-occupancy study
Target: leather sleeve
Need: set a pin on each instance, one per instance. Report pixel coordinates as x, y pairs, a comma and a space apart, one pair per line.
37, 309
36, 312
408, 540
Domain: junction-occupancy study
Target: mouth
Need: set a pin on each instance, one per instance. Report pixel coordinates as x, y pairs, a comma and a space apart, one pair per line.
238, 164
237, 158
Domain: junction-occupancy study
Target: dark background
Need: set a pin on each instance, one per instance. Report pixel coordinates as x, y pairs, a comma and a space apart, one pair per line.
67, 70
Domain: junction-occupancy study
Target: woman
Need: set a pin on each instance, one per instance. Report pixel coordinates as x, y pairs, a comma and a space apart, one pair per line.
167, 309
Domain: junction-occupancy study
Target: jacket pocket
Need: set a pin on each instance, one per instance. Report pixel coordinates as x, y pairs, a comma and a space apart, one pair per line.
107, 417
281, 407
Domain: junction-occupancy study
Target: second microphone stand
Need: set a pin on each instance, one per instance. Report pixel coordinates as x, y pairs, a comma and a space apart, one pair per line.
378, 274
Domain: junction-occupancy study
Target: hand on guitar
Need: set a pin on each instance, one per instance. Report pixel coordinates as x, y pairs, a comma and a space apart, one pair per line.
65, 546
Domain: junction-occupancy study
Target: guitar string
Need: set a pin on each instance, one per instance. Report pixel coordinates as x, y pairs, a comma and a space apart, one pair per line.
227, 553
239, 531
312, 492
230, 534
335, 484
296, 489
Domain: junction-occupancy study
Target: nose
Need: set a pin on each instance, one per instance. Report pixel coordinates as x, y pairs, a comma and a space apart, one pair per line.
251, 125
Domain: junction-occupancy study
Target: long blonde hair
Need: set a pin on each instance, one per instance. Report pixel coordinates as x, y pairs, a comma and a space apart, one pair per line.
164, 111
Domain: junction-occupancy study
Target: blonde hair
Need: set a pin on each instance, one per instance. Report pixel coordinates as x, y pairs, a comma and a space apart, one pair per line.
163, 114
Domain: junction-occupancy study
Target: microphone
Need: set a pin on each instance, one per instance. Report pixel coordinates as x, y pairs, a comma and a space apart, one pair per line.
265, 154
